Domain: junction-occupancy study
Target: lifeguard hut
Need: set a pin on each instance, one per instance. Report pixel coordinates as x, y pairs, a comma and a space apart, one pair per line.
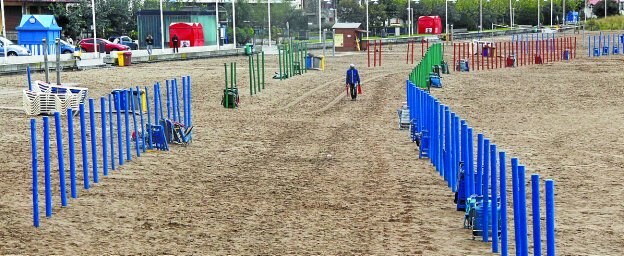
34, 28
348, 36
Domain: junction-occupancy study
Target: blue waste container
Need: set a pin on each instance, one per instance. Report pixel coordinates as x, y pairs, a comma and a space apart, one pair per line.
485, 51
596, 52
566, 54
309, 60
616, 49
605, 50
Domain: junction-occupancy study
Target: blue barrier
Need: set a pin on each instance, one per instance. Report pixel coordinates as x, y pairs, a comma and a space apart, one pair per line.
93, 141
183, 113
35, 171
83, 140
104, 139
72, 153
447, 141
112, 132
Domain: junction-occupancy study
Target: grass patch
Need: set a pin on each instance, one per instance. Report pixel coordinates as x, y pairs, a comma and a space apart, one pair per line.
609, 23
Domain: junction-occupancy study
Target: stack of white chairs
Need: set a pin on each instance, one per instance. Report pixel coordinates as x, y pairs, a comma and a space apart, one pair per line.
45, 99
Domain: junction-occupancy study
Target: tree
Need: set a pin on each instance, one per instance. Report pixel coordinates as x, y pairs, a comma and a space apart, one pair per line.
612, 8
351, 11
114, 17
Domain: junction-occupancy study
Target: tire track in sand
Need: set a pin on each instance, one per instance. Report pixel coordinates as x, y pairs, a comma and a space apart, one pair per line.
313, 90
342, 95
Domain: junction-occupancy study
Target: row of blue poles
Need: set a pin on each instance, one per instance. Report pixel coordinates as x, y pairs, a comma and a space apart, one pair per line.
604, 45
451, 145
141, 139
173, 101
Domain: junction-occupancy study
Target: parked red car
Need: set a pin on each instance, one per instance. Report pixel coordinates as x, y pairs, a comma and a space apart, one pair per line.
86, 45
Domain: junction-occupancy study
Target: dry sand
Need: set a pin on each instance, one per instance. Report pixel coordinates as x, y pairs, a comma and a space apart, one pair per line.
300, 169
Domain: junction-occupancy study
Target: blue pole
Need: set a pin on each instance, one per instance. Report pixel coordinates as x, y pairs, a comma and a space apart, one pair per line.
72, 153
187, 99
486, 197
104, 138
112, 132
503, 206
46, 161
149, 118
93, 140
83, 142
119, 136
516, 204
168, 101
127, 125
457, 154
522, 208
535, 196
464, 154
174, 100
441, 140
447, 145
141, 115
160, 107
177, 101
479, 185
470, 162
495, 221
155, 104
454, 152
136, 131
35, 181
61, 158
550, 217
190, 104
29, 84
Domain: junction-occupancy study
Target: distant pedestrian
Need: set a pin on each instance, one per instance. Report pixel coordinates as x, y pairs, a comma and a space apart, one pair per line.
176, 43
353, 77
149, 40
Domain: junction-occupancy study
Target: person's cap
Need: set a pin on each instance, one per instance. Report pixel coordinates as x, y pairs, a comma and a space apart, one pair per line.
352, 65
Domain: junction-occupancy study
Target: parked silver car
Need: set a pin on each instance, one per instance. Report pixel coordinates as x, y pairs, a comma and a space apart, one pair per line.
12, 49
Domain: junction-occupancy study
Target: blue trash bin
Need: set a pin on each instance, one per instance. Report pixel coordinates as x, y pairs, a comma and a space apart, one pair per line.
566, 54
605, 50
309, 60
596, 52
485, 51
122, 96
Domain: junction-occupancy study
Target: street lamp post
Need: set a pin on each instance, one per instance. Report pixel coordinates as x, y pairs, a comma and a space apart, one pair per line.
95, 44
269, 11
409, 18
319, 18
234, 21
480, 15
4, 30
538, 14
366, 20
446, 26
162, 28
551, 12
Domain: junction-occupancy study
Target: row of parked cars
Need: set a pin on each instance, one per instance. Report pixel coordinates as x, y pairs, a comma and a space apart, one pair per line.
84, 45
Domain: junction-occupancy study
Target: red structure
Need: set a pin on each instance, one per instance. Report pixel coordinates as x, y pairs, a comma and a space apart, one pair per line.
429, 25
191, 33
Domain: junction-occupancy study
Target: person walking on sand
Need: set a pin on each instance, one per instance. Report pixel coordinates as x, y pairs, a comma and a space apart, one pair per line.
176, 43
149, 40
353, 77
